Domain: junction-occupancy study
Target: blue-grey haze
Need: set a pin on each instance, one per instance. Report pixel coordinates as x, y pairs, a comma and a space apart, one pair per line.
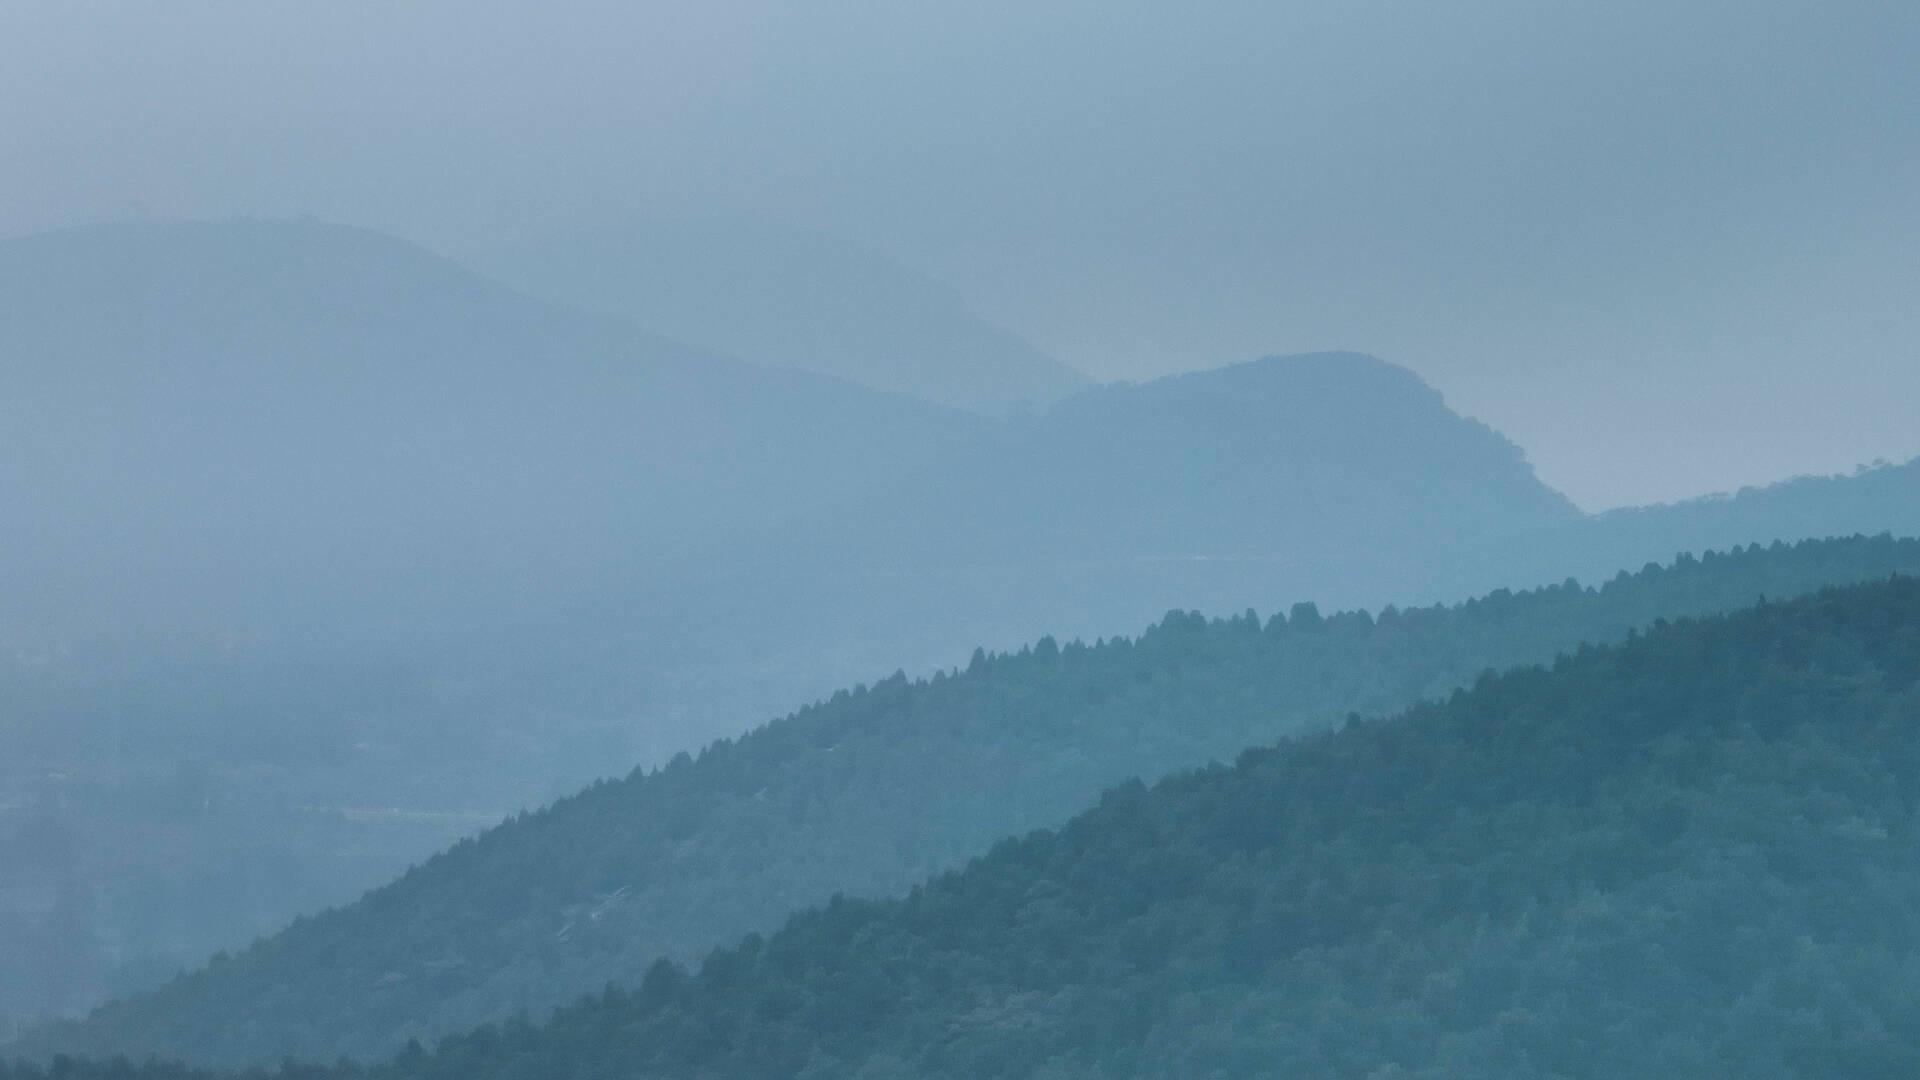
1668, 247
317, 548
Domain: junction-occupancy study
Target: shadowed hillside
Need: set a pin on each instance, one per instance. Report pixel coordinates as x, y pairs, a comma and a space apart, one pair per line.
324, 551
866, 794
289, 508
1691, 854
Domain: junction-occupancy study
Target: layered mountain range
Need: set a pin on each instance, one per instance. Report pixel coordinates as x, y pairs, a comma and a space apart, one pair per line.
1691, 853
324, 550
867, 794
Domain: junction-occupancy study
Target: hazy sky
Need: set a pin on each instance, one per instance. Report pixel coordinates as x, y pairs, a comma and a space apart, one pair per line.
1668, 247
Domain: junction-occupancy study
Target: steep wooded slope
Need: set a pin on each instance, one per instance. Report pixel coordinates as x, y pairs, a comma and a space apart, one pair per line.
1691, 854
866, 794
324, 550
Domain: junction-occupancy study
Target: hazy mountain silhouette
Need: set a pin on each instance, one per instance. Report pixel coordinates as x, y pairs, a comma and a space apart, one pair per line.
288, 508
1293, 456
1330, 476
1880, 497
796, 297
304, 519
241, 429
1872, 499
312, 406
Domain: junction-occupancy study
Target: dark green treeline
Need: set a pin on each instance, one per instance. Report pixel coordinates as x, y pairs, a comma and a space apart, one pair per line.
1697, 853
867, 794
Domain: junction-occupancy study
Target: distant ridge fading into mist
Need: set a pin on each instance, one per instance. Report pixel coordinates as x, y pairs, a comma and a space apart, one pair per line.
794, 297
1287, 456
869, 794
244, 417
290, 401
302, 514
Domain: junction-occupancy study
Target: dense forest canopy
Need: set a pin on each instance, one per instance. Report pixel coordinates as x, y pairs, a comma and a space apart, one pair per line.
1690, 854
866, 794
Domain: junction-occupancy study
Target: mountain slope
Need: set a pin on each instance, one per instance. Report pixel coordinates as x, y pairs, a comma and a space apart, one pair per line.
866, 794
1692, 854
1335, 477
1331, 476
305, 402
1883, 498
1293, 456
289, 510
322, 550
793, 297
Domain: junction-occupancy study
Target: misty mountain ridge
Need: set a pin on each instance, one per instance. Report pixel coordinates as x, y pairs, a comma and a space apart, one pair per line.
299, 508
1886, 493
868, 793
252, 421
278, 401
760, 542
793, 297
305, 514
1689, 854
1288, 457
1274, 453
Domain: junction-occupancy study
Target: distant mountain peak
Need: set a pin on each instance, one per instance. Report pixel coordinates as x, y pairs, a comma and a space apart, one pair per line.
792, 297
1313, 380
1323, 419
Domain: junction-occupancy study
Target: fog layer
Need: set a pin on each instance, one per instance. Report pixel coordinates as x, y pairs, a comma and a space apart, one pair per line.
1667, 247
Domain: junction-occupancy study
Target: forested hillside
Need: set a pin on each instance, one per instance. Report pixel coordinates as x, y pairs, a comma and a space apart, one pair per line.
1692, 854
289, 509
323, 551
866, 794
1874, 498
